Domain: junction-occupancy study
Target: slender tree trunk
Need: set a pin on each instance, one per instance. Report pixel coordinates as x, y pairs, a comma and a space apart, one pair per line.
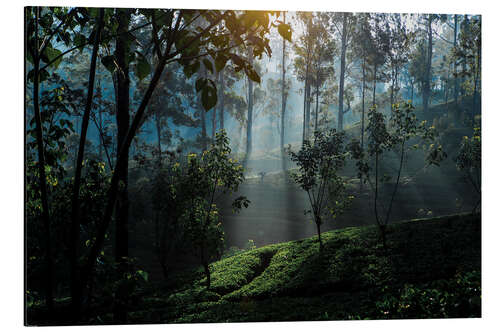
476, 76
214, 123
394, 86
308, 110
362, 118
401, 160
318, 229
304, 115
447, 88
203, 118
317, 108
283, 103
392, 89
75, 202
412, 85
158, 135
122, 121
455, 74
203, 127
249, 113
374, 84
43, 177
99, 112
214, 111
426, 94
381, 226
342, 74
221, 100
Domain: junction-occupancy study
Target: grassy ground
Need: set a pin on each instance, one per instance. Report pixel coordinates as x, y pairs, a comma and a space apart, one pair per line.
431, 270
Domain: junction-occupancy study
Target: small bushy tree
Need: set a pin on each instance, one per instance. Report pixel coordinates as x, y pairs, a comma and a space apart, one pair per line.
319, 161
403, 126
469, 161
193, 185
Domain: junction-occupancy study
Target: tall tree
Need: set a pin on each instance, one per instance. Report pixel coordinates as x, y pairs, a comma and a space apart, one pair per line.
378, 53
426, 89
363, 43
322, 68
36, 50
250, 99
75, 209
340, 125
122, 94
400, 39
455, 66
284, 96
304, 48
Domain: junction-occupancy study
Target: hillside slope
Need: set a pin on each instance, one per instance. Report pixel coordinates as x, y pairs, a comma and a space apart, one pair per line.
431, 270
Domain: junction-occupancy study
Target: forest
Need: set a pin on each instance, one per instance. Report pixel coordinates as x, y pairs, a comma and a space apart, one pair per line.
194, 166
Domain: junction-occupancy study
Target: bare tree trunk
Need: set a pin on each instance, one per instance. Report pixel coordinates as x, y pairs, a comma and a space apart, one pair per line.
214, 111
304, 115
249, 113
221, 100
455, 65
122, 121
374, 84
318, 230
203, 128
412, 85
476, 76
392, 89
75, 202
426, 93
203, 118
283, 102
214, 123
158, 135
308, 109
43, 177
317, 109
342, 74
362, 118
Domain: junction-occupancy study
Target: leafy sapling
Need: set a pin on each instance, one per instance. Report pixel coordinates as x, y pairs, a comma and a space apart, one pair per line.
469, 161
319, 161
208, 176
403, 126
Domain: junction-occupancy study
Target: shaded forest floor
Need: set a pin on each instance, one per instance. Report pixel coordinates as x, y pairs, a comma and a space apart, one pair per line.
430, 270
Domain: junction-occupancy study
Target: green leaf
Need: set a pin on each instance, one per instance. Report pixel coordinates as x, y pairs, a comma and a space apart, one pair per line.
285, 31
220, 62
200, 84
143, 274
44, 75
237, 60
108, 62
208, 65
209, 97
79, 39
93, 12
51, 54
142, 68
252, 75
190, 69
